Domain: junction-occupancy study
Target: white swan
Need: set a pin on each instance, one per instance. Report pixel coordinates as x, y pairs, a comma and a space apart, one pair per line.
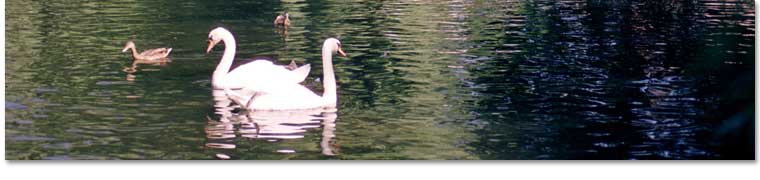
294, 96
257, 75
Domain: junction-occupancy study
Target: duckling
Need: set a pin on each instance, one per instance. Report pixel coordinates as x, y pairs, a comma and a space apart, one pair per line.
292, 65
147, 55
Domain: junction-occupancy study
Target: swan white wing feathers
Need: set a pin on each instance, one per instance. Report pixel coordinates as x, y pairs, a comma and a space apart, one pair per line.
263, 75
302, 72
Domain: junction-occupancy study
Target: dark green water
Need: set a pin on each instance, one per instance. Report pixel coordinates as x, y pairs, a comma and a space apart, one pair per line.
488, 79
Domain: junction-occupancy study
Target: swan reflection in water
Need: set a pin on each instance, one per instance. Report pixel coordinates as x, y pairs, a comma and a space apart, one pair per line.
271, 126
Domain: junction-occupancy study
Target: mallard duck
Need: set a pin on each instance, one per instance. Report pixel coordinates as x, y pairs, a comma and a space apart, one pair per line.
282, 20
147, 55
293, 65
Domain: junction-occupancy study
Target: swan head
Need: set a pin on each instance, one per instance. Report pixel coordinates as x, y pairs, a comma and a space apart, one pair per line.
216, 36
334, 46
129, 44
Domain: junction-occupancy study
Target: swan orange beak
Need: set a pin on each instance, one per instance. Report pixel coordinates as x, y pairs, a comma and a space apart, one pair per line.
341, 53
210, 46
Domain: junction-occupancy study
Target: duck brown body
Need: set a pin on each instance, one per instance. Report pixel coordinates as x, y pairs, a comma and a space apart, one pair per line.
147, 55
282, 20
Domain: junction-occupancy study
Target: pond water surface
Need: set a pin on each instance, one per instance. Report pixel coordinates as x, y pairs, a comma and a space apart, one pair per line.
449, 79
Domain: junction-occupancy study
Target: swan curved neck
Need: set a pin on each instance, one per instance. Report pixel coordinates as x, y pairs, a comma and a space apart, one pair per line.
224, 65
329, 96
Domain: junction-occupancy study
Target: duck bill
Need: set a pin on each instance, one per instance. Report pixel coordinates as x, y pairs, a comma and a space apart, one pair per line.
125, 49
210, 46
341, 53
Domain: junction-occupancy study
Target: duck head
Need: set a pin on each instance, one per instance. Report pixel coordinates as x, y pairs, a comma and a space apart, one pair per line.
129, 45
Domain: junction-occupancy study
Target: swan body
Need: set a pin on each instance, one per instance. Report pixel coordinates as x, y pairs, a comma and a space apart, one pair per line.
289, 97
282, 20
261, 72
147, 55
258, 75
293, 96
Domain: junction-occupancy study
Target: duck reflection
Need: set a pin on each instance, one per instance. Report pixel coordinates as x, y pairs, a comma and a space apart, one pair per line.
133, 68
283, 32
271, 126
